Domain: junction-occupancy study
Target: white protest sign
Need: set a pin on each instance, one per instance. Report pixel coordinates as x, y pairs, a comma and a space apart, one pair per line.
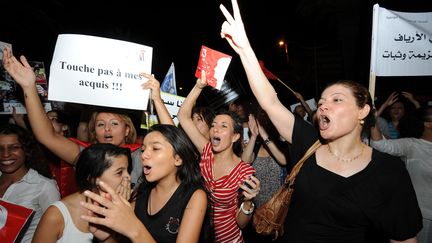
311, 102
99, 71
172, 103
401, 43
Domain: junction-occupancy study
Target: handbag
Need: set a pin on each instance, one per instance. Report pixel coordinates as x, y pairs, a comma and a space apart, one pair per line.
269, 218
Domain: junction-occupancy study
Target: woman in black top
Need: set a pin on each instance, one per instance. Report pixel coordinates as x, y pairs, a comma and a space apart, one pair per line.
170, 205
346, 191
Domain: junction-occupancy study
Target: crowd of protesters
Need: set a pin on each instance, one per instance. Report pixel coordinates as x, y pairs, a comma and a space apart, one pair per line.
201, 181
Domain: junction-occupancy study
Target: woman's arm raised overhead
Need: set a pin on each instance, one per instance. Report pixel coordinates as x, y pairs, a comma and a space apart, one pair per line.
185, 115
23, 74
234, 32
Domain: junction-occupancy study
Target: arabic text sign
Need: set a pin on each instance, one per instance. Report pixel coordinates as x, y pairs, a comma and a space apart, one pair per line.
99, 71
401, 43
172, 103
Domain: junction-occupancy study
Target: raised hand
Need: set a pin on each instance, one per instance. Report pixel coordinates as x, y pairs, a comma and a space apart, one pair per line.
233, 29
20, 71
298, 96
202, 82
393, 97
253, 126
152, 84
409, 96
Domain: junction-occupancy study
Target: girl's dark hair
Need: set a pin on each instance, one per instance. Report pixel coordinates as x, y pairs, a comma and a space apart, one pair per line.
188, 172
238, 128
94, 160
362, 97
206, 112
34, 157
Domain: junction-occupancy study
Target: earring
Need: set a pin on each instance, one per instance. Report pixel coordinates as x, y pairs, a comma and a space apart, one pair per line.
362, 122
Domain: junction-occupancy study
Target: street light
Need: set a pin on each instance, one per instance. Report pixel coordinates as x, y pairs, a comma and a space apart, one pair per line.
284, 45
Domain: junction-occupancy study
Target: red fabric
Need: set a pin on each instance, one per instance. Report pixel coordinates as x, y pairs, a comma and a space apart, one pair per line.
55, 171
267, 73
67, 183
13, 217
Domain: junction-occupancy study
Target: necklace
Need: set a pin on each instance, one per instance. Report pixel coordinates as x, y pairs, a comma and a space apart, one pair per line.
343, 159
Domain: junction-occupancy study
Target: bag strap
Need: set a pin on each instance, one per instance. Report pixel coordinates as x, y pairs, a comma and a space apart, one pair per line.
289, 180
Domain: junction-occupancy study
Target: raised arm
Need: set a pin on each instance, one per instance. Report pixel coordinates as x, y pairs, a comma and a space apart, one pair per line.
23, 74
248, 155
161, 110
304, 103
376, 134
411, 98
234, 32
393, 97
185, 115
274, 150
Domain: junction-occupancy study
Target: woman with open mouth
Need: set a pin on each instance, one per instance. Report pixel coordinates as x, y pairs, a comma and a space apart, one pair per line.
222, 168
346, 191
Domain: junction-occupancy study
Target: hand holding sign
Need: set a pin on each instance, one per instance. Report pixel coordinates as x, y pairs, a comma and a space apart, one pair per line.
214, 64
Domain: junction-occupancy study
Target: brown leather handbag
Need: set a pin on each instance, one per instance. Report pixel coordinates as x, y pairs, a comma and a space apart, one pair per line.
269, 218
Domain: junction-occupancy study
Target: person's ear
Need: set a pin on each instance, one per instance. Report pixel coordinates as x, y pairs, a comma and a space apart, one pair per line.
235, 138
363, 113
178, 160
127, 131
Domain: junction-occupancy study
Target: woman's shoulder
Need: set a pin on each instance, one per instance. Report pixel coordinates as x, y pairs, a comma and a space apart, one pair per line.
386, 163
55, 213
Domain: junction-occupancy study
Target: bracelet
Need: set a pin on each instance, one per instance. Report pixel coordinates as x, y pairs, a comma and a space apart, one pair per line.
267, 141
247, 212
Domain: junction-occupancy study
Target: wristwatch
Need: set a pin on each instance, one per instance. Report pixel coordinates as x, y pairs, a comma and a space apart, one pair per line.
247, 212
267, 141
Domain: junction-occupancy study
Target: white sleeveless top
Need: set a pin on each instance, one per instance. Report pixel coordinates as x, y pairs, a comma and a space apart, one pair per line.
70, 232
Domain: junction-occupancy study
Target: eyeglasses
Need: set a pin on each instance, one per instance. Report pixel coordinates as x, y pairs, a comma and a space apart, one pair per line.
11, 148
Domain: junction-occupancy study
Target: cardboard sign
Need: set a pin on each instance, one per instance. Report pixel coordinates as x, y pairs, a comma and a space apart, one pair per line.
214, 64
99, 71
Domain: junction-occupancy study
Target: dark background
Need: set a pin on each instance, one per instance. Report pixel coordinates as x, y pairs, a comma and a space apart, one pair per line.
327, 39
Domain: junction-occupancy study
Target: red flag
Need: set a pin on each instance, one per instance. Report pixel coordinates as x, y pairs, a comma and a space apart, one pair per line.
267, 73
13, 217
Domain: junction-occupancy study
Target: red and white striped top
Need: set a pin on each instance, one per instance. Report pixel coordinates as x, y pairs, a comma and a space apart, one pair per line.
224, 196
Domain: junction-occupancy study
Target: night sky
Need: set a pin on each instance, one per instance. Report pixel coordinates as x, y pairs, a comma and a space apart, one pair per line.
327, 39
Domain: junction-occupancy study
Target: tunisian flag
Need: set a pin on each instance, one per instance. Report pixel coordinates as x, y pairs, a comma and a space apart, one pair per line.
13, 218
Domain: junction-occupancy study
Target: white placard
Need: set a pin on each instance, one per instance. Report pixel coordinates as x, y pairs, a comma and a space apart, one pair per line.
99, 71
172, 103
311, 102
401, 43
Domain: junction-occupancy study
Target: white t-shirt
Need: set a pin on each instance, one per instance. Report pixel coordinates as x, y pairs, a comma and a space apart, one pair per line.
33, 191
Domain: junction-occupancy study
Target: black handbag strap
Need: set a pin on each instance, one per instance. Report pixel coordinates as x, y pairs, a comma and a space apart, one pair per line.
289, 180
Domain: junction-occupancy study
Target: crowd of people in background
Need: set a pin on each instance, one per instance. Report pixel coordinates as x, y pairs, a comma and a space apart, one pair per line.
200, 181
